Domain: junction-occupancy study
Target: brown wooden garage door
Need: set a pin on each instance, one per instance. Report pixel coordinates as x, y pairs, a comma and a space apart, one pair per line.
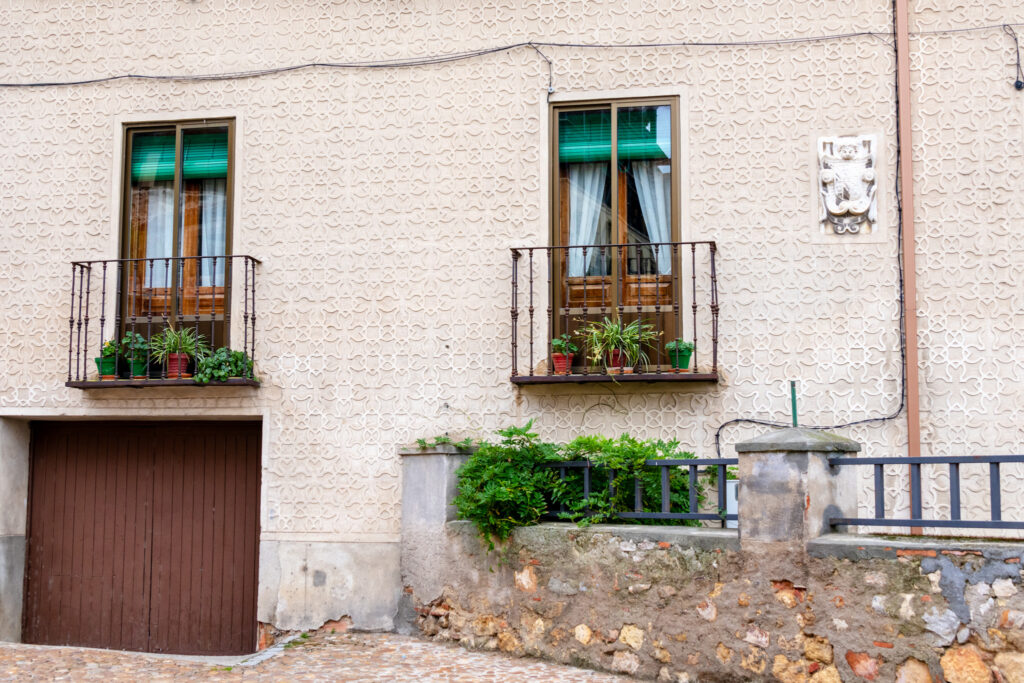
144, 536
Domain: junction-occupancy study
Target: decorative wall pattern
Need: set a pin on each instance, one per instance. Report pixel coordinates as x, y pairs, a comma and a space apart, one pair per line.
383, 204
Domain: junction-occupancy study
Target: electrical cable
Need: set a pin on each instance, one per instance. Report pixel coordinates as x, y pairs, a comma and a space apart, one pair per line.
429, 60
445, 58
1019, 83
901, 289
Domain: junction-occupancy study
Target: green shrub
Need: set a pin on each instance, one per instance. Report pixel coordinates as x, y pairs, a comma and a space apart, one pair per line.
502, 485
611, 494
222, 364
505, 485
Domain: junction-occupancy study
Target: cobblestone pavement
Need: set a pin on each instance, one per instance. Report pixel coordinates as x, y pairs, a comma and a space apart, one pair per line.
321, 657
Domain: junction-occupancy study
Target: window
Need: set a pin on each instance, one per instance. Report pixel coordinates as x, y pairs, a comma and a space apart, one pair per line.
615, 179
177, 224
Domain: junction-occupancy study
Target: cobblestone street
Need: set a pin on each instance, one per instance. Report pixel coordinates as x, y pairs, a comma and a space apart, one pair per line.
321, 657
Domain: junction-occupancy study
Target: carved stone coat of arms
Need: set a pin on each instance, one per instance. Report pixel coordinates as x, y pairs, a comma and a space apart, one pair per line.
847, 183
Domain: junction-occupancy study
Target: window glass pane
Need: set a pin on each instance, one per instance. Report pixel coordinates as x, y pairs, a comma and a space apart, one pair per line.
204, 204
584, 171
151, 206
645, 164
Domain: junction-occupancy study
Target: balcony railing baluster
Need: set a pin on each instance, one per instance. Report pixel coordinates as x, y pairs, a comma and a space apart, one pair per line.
623, 278
145, 306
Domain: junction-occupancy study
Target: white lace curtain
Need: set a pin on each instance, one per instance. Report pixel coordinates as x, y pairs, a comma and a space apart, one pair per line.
586, 199
655, 192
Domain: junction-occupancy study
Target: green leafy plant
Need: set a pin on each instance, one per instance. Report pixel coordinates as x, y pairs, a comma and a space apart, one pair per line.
223, 364
616, 465
679, 345
502, 486
133, 346
466, 444
630, 339
563, 344
110, 349
185, 340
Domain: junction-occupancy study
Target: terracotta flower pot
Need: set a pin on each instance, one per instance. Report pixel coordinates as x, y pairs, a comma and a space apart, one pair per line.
562, 362
177, 366
618, 363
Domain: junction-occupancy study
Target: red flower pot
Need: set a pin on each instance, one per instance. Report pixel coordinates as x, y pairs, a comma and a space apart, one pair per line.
177, 366
618, 363
562, 362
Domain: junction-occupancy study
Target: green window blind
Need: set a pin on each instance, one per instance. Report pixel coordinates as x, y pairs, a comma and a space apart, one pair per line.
205, 156
586, 136
153, 157
644, 133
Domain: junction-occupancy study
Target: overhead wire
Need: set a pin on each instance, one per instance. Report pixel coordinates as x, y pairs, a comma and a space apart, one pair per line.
887, 38
535, 45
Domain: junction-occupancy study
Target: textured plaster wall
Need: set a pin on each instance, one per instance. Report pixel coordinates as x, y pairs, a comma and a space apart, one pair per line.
383, 204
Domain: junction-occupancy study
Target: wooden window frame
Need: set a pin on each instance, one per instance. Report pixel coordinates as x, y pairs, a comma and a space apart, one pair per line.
178, 126
613, 286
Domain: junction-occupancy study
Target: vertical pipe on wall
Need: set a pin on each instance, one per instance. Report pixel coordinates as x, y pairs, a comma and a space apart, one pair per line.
901, 18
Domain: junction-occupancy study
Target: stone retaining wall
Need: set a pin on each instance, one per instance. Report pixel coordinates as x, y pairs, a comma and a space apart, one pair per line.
686, 605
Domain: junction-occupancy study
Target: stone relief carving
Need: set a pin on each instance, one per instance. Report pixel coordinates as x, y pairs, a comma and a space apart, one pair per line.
847, 182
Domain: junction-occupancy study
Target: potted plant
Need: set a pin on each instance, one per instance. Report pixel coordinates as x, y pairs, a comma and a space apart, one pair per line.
562, 353
106, 363
620, 347
679, 352
135, 350
222, 365
175, 348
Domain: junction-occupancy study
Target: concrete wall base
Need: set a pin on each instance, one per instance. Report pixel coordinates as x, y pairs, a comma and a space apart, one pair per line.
12, 577
305, 584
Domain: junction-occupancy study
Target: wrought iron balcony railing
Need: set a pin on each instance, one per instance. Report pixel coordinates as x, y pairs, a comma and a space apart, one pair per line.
118, 307
615, 312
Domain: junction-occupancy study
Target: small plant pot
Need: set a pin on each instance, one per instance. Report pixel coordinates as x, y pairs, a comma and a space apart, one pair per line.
562, 362
139, 368
680, 359
107, 367
618, 363
177, 366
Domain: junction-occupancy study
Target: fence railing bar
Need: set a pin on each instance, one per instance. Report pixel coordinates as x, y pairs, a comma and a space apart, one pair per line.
995, 492
928, 460
915, 490
954, 490
693, 501
938, 523
879, 491
721, 489
638, 495
666, 490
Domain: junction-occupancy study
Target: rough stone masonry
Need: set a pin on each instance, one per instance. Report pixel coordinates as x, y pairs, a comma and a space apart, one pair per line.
783, 602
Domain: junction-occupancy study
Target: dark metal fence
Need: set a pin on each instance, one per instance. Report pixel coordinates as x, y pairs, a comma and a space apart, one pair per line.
670, 286
693, 468
117, 300
917, 518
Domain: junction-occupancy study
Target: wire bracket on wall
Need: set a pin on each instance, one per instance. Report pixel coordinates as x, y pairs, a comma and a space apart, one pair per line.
1019, 83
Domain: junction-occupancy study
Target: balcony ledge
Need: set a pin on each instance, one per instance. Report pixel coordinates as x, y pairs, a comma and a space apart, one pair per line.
603, 377
144, 383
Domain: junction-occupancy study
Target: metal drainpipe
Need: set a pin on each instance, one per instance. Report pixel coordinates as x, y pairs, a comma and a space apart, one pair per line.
906, 170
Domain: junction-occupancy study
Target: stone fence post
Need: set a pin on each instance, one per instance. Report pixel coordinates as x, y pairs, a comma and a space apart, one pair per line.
788, 490
429, 484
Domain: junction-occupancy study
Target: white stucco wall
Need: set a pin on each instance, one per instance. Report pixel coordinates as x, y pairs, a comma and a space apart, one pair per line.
383, 204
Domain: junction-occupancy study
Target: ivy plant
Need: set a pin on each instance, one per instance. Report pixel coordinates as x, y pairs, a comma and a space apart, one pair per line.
616, 464
223, 364
503, 485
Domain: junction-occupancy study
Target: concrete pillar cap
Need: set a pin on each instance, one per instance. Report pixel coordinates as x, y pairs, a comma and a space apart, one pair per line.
799, 439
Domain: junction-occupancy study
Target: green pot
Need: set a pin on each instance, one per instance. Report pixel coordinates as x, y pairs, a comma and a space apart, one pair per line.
140, 367
106, 365
680, 358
